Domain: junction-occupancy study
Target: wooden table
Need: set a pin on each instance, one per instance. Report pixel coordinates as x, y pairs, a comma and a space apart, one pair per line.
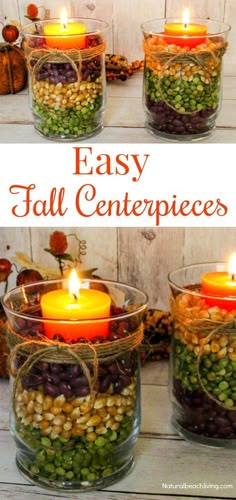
124, 116
166, 466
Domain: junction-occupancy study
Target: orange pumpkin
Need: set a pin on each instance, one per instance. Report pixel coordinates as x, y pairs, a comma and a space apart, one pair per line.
12, 69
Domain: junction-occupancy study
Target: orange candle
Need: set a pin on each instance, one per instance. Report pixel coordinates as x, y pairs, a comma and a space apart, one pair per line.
185, 34
221, 285
72, 305
65, 35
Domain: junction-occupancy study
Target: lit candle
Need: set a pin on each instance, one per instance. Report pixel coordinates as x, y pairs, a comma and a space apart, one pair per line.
221, 284
65, 35
76, 304
185, 34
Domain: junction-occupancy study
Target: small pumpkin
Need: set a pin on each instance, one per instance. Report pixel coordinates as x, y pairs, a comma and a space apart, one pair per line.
12, 69
10, 33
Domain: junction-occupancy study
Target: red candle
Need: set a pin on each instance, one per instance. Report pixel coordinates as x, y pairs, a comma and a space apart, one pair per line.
185, 34
221, 285
76, 304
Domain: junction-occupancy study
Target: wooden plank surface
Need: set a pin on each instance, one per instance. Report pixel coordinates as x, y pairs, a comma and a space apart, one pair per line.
25, 134
213, 9
144, 260
98, 9
128, 17
197, 251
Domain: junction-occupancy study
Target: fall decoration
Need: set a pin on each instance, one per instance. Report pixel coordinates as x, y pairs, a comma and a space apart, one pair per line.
12, 62
118, 67
10, 33
32, 12
27, 276
12, 69
158, 328
5, 270
58, 245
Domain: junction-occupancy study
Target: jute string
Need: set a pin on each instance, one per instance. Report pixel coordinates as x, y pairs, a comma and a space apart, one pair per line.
85, 355
73, 56
212, 329
168, 58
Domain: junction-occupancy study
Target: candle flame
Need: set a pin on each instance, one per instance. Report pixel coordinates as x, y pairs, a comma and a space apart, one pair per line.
64, 17
74, 284
232, 266
186, 18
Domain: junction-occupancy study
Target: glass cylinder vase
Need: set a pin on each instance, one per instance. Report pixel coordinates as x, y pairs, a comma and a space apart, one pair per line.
66, 72
75, 412
182, 85
203, 356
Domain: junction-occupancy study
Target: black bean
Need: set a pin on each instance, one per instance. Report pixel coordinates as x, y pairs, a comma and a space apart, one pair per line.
65, 389
221, 421
78, 381
105, 384
51, 390
225, 431
113, 368
73, 371
55, 368
82, 390
43, 366
102, 371
53, 79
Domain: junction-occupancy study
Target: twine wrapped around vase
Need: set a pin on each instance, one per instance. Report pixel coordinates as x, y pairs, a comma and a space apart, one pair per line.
202, 59
87, 355
208, 336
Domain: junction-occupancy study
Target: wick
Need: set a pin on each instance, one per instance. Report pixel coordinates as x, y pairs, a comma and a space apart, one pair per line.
232, 277
75, 296
185, 25
64, 25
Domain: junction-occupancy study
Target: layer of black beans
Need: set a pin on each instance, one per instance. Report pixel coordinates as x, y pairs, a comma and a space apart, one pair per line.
167, 120
69, 380
201, 415
64, 72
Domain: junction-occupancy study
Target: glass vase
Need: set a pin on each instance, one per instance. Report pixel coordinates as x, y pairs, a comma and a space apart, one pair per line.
67, 81
75, 409
182, 84
203, 359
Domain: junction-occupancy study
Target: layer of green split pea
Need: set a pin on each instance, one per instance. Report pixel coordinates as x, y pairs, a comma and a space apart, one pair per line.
77, 459
184, 94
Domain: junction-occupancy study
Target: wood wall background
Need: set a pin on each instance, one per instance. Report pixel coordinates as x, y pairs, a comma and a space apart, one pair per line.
141, 256
125, 17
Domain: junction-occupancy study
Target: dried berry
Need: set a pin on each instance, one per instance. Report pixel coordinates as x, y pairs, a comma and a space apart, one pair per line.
5, 269
32, 11
27, 276
10, 33
58, 243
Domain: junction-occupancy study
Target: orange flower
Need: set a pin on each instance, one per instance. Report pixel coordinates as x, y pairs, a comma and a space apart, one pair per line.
58, 243
32, 11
